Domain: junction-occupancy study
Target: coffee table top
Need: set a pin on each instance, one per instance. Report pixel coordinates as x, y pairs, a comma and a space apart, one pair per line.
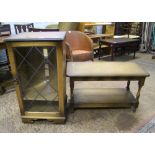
105, 69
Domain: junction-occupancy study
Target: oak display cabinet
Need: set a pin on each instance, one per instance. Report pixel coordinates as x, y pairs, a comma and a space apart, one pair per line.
38, 67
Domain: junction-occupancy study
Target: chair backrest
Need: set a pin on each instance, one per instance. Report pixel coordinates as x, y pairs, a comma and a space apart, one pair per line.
87, 27
79, 41
19, 28
42, 30
5, 30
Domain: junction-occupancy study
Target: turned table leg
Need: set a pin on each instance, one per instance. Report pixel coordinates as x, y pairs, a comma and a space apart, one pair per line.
128, 89
71, 95
140, 85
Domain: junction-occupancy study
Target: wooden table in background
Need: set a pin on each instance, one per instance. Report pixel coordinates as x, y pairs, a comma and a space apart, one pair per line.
96, 41
99, 36
114, 43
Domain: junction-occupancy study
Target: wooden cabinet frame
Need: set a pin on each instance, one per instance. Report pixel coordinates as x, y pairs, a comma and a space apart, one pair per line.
27, 116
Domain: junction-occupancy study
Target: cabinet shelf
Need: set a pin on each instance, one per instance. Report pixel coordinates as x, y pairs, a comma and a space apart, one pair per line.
41, 106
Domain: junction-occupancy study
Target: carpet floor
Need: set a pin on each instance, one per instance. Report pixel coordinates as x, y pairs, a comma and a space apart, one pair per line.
92, 120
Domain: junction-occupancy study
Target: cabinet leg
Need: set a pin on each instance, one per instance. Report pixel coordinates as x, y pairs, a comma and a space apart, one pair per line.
26, 120
59, 121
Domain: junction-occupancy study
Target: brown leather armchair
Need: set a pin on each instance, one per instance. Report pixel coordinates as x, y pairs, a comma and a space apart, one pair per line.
78, 46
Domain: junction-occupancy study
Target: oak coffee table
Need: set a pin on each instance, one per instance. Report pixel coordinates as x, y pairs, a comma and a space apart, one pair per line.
105, 71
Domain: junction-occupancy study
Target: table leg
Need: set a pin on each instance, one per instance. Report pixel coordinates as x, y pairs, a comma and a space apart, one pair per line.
134, 53
2, 90
137, 47
140, 85
100, 49
133, 106
128, 86
71, 95
123, 50
112, 52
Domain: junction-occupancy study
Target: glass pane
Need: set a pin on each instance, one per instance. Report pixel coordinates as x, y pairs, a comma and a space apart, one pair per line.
37, 73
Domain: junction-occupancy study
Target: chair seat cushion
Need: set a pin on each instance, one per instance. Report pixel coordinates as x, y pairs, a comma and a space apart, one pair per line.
82, 55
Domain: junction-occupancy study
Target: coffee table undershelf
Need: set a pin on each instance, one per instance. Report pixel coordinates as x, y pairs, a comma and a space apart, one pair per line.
103, 98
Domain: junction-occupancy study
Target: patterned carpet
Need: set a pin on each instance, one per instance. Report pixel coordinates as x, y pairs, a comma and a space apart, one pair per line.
148, 127
95, 120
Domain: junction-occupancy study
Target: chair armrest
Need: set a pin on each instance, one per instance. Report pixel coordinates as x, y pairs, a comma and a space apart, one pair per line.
90, 43
92, 47
68, 51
